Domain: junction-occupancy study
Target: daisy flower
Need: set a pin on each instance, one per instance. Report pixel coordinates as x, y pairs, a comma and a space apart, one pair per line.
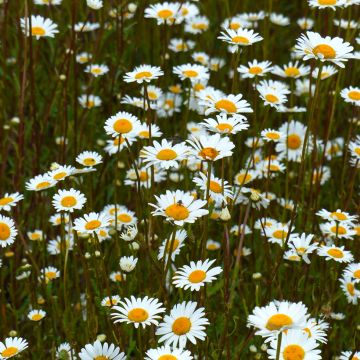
239, 38
255, 68
117, 276
236, 22
121, 123
193, 72
40, 27
338, 215
91, 223
279, 19
291, 70
353, 271
36, 315
295, 344
86, 27
47, 2
57, 246
212, 245
197, 25
143, 73
348, 287
188, 10
143, 131
211, 148
165, 154
154, 93
89, 158
271, 135
245, 176
12, 346
65, 351
61, 172
94, 4
89, 101
316, 329
323, 4
184, 323
278, 316
219, 189
68, 200
272, 92
180, 45
36, 235
226, 125
354, 148
10, 200
346, 355
342, 230
351, 95
40, 182
177, 243
314, 46
97, 350
7, 231
127, 263
118, 143
138, 311
49, 273
196, 275
257, 198
109, 301
303, 246
336, 253
179, 207
97, 69
305, 23
278, 233
164, 13
167, 352
57, 219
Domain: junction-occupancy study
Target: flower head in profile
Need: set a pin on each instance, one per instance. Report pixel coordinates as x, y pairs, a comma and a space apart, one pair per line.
40, 27
239, 38
97, 350
12, 346
143, 73
10, 200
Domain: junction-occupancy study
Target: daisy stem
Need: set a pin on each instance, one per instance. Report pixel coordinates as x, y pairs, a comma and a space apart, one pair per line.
206, 220
278, 347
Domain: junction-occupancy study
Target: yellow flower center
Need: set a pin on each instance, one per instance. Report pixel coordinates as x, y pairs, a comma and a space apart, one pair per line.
226, 128
190, 73
96, 71
118, 277
300, 250
357, 274
208, 153
50, 275
60, 175
37, 31
350, 288
124, 218
212, 247
293, 352
273, 135
152, 95
234, 26
276, 322
336, 253
101, 357
170, 103
35, 236
307, 330
143, 74
90, 104
165, 14
92, 224
327, 2
36, 317
68, 201
10, 351
4, 231
240, 40
280, 234
340, 230
144, 134
292, 72
143, 176
255, 70
138, 315
181, 326
174, 247
166, 154
215, 187
123, 126
175, 89
244, 179
199, 87
354, 95
177, 212
89, 161
42, 185
325, 50
6, 200
167, 357
197, 276
338, 216
293, 141
226, 105
200, 26
271, 98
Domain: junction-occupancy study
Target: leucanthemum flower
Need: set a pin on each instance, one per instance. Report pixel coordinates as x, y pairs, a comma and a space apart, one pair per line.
166, 12
35, 235
128, 263
271, 135
336, 253
219, 189
338, 215
40, 27
49, 273
342, 230
278, 316
143, 131
121, 123
197, 25
211, 148
279, 19
224, 124
193, 72
94, 4
172, 245
12, 346
316, 330
180, 45
89, 101
168, 353
257, 198
295, 344
61, 172
97, 69
239, 38
143, 73
305, 23
10, 200
303, 246
323, 4
354, 148
184, 323
47, 2
291, 70
212, 245
345, 355
68, 200
8, 231
40, 182
36, 315
244, 176
278, 233
353, 271
109, 301
118, 143
65, 351
179, 207
314, 46
89, 158
91, 223
272, 92
57, 246
117, 276
86, 27
138, 311
351, 95
348, 287
196, 275
236, 22
105, 351
165, 154
255, 68
83, 57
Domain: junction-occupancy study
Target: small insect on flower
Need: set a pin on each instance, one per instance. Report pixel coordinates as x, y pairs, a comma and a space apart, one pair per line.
8, 231
12, 346
138, 311
168, 353
179, 207
40, 27
68, 200
196, 275
89, 158
105, 351
143, 73
10, 200
36, 315
184, 323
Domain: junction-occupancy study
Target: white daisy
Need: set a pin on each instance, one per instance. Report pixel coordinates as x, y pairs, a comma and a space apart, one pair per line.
336, 253
226, 125
143, 73
8, 231
239, 38
40, 27
105, 351
193, 72
68, 200
91, 223
255, 68
36, 315
10, 200
168, 353
172, 245
89, 101
89, 158
97, 69
12, 346
40, 182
